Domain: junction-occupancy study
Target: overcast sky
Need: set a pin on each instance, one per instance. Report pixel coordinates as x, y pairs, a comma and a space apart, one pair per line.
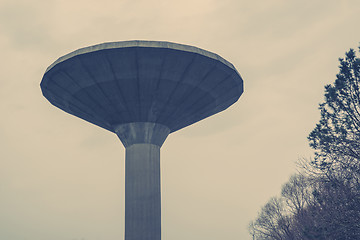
62, 178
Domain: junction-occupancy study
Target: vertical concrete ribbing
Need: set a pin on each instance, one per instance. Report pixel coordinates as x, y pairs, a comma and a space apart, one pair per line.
142, 141
142, 192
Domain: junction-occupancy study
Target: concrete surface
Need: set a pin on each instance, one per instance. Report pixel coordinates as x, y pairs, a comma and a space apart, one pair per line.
142, 91
142, 81
142, 178
142, 132
142, 192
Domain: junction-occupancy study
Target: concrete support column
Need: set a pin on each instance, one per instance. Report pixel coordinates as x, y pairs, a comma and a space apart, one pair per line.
142, 192
142, 178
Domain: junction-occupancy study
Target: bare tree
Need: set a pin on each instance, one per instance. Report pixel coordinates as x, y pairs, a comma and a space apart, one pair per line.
322, 202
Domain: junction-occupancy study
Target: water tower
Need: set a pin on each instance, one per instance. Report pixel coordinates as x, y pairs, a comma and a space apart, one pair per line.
142, 91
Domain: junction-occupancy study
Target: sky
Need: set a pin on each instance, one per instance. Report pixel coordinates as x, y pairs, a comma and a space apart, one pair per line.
62, 178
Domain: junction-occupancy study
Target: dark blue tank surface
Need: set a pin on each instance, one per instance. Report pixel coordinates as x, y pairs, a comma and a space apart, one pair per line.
142, 81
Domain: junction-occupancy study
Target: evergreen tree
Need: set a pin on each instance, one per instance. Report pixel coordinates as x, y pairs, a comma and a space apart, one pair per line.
337, 135
324, 202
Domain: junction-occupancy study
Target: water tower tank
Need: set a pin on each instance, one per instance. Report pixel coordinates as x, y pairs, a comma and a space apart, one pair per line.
142, 91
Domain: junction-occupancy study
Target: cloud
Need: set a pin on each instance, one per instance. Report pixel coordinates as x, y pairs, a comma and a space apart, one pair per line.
24, 23
62, 178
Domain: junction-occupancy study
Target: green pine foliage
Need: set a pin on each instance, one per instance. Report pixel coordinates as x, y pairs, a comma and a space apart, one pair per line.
323, 200
338, 131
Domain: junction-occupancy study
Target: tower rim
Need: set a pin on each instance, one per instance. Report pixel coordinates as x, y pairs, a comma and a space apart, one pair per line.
141, 43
